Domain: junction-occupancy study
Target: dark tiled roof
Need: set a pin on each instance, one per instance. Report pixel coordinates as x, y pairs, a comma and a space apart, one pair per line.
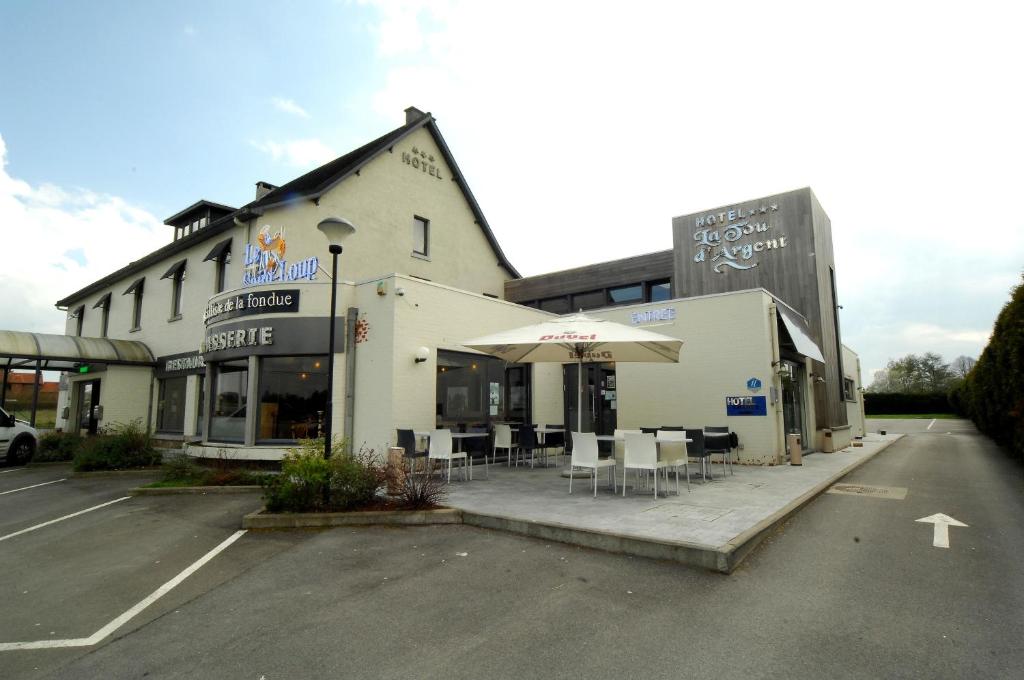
216, 208
311, 185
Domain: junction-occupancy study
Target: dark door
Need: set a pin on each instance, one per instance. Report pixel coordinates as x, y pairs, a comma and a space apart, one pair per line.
88, 403
794, 417
599, 397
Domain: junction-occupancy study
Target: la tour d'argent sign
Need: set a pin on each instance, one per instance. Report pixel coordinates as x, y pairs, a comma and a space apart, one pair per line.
735, 237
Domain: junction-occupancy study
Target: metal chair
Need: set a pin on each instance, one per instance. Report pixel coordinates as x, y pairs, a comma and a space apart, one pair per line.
476, 447
584, 456
641, 454
527, 442
555, 440
719, 443
695, 449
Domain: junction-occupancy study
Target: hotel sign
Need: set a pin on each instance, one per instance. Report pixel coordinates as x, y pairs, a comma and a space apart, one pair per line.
732, 238
746, 406
421, 160
248, 304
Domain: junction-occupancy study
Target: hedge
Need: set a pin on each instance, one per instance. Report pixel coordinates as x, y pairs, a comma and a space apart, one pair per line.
992, 395
894, 403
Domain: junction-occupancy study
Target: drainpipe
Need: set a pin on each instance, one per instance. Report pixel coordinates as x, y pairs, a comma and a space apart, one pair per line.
780, 440
350, 376
149, 407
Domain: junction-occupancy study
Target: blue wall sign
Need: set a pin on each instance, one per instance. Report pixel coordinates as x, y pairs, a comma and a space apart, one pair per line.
746, 406
754, 385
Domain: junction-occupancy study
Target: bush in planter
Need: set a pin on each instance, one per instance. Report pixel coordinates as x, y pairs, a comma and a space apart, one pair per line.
57, 446
118, 447
310, 483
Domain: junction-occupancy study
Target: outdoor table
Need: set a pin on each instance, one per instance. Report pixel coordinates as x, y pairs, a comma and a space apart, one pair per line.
456, 437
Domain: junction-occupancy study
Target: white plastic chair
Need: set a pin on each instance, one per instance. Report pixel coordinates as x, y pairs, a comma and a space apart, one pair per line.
502, 440
584, 456
441, 449
641, 454
673, 437
620, 438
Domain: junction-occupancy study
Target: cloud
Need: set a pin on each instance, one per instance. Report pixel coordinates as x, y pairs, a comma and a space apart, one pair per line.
64, 239
289, 106
300, 153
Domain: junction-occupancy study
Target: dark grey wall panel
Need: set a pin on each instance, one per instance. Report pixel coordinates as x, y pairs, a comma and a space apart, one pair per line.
647, 267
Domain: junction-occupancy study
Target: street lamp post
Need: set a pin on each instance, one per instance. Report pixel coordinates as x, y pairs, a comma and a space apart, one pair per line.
336, 230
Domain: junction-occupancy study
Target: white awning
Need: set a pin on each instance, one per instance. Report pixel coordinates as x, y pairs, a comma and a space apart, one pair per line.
800, 334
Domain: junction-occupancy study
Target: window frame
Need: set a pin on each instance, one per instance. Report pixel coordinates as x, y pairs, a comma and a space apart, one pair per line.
425, 253
177, 288
137, 308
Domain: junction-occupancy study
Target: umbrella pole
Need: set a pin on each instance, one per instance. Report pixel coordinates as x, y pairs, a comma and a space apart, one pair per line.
579, 393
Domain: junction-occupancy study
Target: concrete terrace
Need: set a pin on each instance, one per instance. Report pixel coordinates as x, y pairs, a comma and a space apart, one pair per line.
714, 525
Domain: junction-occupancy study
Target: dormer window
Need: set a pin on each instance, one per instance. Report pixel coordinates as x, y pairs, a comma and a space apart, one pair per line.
197, 216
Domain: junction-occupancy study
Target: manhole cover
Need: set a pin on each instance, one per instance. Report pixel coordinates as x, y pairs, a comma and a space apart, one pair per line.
683, 511
896, 493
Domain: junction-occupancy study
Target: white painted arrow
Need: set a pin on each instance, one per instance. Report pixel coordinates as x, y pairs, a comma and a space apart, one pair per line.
940, 536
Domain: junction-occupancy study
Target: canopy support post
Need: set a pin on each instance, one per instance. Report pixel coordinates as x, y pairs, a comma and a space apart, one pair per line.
35, 392
3, 389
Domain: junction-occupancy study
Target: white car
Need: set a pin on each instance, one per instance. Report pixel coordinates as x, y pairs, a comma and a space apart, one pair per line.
17, 439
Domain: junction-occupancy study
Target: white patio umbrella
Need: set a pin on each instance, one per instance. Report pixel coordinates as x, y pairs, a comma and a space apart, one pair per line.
579, 338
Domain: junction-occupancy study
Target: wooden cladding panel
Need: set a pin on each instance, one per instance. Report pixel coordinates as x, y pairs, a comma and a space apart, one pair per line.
592, 277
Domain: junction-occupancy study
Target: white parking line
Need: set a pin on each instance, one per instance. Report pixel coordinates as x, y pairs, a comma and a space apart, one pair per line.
26, 488
106, 630
930, 424
61, 519
4, 472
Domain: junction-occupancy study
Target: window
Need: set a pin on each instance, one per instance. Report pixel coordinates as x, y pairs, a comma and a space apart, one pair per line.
104, 318
230, 386
420, 236
170, 410
589, 300
659, 291
222, 268
848, 389
476, 390
558, 305
136, 290
625, 295
176, 287
293, 398
79, 316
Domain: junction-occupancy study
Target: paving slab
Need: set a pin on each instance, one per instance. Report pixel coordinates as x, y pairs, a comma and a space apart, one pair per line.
712, 525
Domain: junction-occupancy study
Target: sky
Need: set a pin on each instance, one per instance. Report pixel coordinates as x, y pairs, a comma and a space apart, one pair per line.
582, 128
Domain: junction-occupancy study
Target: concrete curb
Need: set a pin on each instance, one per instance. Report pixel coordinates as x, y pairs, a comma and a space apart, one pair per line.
736, 550
115, 473
47, 463
297, 520
192, 490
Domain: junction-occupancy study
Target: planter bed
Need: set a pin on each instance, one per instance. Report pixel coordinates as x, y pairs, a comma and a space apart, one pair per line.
173, 490
294, 520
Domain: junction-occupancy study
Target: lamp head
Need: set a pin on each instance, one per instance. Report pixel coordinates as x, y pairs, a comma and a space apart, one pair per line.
336, 229
422, 354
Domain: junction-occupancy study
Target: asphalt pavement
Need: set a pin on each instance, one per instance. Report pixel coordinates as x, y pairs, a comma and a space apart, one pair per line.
851, 587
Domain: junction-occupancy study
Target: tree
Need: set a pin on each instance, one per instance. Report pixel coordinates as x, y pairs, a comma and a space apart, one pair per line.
962, 365
914, 374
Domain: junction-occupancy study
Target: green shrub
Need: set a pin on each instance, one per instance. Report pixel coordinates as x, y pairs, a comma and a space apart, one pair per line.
310, 483
118, 447
57, 446
182, 470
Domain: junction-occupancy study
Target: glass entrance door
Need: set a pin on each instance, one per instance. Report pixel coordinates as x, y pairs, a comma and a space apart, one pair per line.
599, 393
88, 401
793, 401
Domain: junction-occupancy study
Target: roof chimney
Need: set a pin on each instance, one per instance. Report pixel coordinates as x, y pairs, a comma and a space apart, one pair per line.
263, 188
412, 114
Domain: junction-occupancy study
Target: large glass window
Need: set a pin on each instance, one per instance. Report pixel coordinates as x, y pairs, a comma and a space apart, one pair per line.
227, 419
170, 410
659, 291
589, 300
625, 295
558, 305
478, 390
293, 398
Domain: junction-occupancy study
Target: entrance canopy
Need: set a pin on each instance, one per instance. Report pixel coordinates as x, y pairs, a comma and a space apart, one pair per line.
61, 352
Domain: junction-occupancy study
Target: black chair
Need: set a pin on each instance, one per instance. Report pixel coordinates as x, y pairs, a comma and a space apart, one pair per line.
407, 440
719, 441
649, 430
477, 447
695, 449
527, 442
555, 440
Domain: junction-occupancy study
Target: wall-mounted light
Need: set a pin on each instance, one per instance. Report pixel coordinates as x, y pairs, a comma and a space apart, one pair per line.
382, 288
399, 291
422, 354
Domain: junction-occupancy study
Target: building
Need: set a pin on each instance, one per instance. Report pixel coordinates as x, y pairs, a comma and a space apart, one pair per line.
219, 340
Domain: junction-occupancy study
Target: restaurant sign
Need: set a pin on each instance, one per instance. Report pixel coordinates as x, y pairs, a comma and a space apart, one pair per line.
746, 406
185, 363
264, 261
247, 304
